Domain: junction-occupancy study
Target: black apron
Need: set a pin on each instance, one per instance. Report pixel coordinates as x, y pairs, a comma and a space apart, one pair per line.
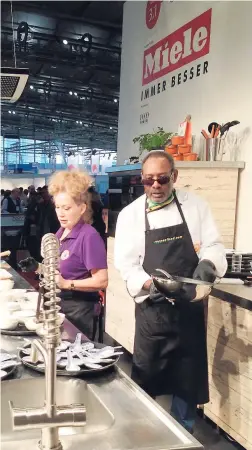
81, 309
170, 353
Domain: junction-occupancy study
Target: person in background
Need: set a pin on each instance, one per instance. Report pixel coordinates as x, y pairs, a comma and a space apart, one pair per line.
12, 203
30, 227
39, 189
83, 260
23, 197
97, 207
48, 221
2, 194
173, 231
31, 189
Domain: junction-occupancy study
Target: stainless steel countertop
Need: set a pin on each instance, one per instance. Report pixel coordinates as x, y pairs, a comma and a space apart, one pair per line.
139, 422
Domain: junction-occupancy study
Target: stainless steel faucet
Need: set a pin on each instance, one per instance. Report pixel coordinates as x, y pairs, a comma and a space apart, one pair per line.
50, 417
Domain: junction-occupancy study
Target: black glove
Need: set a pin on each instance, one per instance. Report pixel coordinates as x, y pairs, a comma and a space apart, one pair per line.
28, 265
155, 295
205, 271
186, 293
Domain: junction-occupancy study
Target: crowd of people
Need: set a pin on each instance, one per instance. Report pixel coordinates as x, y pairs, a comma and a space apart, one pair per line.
40, 215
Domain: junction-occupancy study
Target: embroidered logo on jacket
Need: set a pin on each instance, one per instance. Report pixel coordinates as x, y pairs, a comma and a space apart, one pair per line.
64, 255
163, 241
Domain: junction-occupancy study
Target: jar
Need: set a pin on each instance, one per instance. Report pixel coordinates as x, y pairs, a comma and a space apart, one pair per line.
190, 156
184, 149
178, 140
172, 149
178, 157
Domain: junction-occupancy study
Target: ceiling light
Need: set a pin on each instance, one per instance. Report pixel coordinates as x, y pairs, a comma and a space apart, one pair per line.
31, 87
13, 112
85, 125
110, 128
71, 92
65, 42
77, 121
115, 100
9, 112
75, 93
81, 122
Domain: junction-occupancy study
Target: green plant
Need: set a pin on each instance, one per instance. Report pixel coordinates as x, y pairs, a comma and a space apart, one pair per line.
151, 141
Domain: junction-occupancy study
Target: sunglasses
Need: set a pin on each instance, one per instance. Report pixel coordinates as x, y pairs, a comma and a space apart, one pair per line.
162, 179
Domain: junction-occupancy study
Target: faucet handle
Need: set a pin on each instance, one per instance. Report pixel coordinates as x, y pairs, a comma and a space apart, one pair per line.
33, 418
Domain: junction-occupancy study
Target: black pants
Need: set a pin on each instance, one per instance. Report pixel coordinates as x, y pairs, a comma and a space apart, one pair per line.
80, 309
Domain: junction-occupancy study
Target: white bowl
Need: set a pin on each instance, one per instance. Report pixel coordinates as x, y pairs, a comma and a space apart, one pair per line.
31, 324
8, 322
61, 318
32, 296
18, 294
22, 315
28, 305
12, 306
6, 285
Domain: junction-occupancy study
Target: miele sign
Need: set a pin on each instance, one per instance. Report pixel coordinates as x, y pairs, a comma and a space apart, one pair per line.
180, 48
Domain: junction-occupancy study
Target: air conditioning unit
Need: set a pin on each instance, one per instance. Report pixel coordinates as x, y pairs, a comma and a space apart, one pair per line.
13, 82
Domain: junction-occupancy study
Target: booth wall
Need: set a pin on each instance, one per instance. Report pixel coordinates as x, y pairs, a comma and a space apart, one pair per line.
222, 94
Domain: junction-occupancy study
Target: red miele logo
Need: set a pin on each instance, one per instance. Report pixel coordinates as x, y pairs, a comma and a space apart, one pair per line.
188, 43
152, 13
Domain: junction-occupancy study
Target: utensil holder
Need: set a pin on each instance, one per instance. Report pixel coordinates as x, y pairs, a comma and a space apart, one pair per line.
212, 149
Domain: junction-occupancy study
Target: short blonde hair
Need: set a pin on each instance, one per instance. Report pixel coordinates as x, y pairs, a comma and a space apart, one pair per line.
76, 184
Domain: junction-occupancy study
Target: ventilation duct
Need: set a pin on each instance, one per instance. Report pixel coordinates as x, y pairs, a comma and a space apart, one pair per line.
13, 82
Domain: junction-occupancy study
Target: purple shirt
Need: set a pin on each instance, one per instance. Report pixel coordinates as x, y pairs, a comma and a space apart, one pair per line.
81, 251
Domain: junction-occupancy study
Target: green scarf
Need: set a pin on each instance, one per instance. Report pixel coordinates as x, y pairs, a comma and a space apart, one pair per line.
153, 206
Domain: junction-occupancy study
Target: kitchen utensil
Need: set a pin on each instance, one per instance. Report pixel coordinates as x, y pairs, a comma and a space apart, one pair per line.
228, 125
93, 365
212, 127
64, 345
171, 286
217, 131
76, 346
62, 363
72, 366
87, 346
204, 133
6, 356
236, 262
10, 363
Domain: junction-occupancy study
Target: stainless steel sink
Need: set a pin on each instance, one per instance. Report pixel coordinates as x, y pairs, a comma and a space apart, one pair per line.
30, 393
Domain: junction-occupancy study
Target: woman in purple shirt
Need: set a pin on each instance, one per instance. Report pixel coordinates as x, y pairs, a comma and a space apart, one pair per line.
83, 260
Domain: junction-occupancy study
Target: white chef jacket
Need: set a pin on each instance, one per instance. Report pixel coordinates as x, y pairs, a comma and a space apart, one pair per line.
130, 237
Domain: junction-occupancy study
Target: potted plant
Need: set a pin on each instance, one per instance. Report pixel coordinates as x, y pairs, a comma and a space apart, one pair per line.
153, 141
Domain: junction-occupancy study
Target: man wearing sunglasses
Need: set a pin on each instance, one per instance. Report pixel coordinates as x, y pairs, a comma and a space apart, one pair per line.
173, 231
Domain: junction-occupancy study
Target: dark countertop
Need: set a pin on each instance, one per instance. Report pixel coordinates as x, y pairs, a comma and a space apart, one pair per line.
239, 295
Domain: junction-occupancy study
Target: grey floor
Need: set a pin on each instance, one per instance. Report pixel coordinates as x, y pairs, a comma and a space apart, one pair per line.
205, 431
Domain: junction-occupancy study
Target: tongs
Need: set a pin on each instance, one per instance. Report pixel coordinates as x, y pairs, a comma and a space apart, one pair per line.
184, 279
